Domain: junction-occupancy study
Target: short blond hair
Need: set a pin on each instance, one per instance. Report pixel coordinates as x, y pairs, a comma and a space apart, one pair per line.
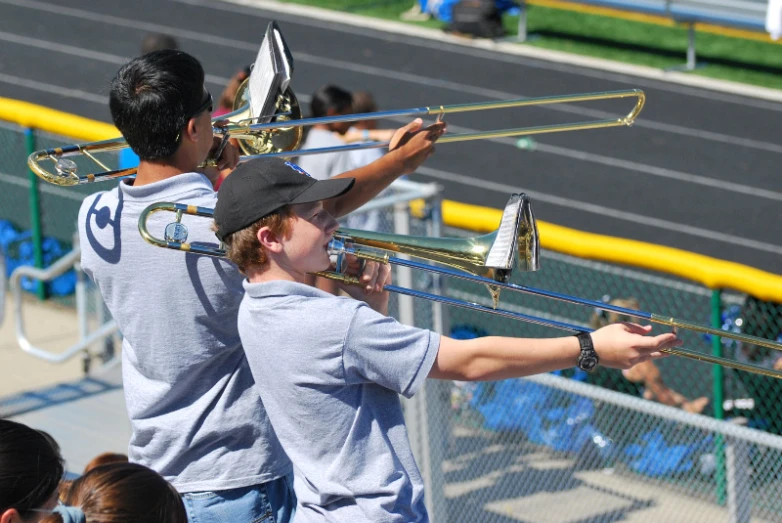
243, 247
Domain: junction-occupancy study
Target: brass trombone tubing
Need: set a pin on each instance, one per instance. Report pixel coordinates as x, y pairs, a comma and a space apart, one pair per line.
648, 316
677, 351
385, 258
179, 209
246, 128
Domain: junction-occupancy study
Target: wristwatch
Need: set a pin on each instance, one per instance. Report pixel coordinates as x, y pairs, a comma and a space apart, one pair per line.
588, 359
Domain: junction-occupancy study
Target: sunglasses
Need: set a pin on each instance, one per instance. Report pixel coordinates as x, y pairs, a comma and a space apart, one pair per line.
205, 104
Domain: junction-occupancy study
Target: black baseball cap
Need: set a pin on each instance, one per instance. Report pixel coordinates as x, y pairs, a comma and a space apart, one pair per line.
259, 187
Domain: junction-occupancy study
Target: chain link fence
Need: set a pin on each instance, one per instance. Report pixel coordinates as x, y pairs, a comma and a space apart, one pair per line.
38, 216
570, 448
589, 447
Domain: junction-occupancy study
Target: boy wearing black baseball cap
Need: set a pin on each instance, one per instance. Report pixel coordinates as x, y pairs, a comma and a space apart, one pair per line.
330, 369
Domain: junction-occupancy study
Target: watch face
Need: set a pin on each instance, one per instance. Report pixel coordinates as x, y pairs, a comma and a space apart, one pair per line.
587, 362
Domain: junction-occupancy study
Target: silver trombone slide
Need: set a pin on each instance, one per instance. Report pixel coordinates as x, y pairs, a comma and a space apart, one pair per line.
677, 351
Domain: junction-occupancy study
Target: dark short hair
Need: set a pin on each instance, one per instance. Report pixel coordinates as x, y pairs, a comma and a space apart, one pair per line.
157, 42
153, 97
330, 97
30, 467
364, 102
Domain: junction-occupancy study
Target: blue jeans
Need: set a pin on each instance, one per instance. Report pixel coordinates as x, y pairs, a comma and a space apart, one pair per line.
271, 502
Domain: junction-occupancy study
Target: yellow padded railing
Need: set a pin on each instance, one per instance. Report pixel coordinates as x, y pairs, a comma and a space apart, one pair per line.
710, 272
58, 122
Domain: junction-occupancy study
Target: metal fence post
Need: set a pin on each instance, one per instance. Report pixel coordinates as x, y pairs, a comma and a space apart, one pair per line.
691, 60
739, 482
424, 413
438, 391
35, 214
718, 388
404, 275
521, 32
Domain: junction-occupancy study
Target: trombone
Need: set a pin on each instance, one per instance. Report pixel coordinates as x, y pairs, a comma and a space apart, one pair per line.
487, 260
283, 134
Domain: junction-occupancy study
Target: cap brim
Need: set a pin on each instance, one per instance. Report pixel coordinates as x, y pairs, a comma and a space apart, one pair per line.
325, 189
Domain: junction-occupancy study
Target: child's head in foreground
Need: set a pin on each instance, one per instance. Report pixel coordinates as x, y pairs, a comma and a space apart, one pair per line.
271, 211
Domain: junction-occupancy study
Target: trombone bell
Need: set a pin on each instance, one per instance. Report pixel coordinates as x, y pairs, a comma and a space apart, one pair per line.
513, 245
265, 141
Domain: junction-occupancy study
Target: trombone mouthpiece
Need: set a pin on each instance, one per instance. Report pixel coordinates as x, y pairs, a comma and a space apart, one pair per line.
336, 250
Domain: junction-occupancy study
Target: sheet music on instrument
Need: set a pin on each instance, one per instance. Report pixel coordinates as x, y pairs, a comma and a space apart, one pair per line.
271, 73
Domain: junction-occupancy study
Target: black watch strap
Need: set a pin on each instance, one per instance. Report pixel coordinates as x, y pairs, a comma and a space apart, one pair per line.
588, 358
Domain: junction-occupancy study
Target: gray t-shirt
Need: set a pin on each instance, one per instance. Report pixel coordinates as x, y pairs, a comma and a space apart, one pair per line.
195, 415
326, 165
329, 370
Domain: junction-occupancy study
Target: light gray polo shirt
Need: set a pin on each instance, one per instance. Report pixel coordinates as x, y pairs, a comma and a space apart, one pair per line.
330, 371
196, 417
325, 165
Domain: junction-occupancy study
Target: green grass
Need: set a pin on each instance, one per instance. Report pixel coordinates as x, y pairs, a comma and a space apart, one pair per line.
639, 43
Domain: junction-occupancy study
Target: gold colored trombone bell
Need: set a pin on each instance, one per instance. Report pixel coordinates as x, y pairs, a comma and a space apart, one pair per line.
514, 245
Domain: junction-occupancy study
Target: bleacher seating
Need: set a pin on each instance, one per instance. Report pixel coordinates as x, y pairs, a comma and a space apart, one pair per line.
747, 15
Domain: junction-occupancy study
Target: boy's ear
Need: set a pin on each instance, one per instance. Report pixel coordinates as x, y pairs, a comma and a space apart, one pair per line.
269, 240
190, 131
10, 516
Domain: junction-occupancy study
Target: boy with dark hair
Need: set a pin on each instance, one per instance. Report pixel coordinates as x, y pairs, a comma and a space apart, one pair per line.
329, 369
195, 416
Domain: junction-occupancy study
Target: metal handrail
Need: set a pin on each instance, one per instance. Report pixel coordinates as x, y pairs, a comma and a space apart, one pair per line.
61, 266
2, 289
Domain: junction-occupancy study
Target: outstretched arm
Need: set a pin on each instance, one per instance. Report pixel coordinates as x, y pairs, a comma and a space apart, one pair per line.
620, 345
410, 146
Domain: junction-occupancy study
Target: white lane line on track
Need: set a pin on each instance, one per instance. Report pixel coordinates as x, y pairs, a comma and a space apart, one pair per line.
602, 210
53, 89
80, 52
635, 167
399, 32
382, 73
305, 18
565, 152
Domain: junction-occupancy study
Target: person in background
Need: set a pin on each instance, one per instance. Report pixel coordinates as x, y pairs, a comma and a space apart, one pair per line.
225, 103
365, 131
31, 469
328, 100
119, 493
105, 459
763, 319
645, 377
157, 42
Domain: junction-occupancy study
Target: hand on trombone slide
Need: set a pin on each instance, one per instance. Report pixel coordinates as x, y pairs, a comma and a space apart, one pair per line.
413, 143
622, 345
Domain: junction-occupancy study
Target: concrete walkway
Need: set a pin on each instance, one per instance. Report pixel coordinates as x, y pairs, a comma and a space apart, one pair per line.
86, 416
50, 327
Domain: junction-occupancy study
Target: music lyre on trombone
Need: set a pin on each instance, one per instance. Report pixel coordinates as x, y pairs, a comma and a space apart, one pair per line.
283, 134
489, 260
